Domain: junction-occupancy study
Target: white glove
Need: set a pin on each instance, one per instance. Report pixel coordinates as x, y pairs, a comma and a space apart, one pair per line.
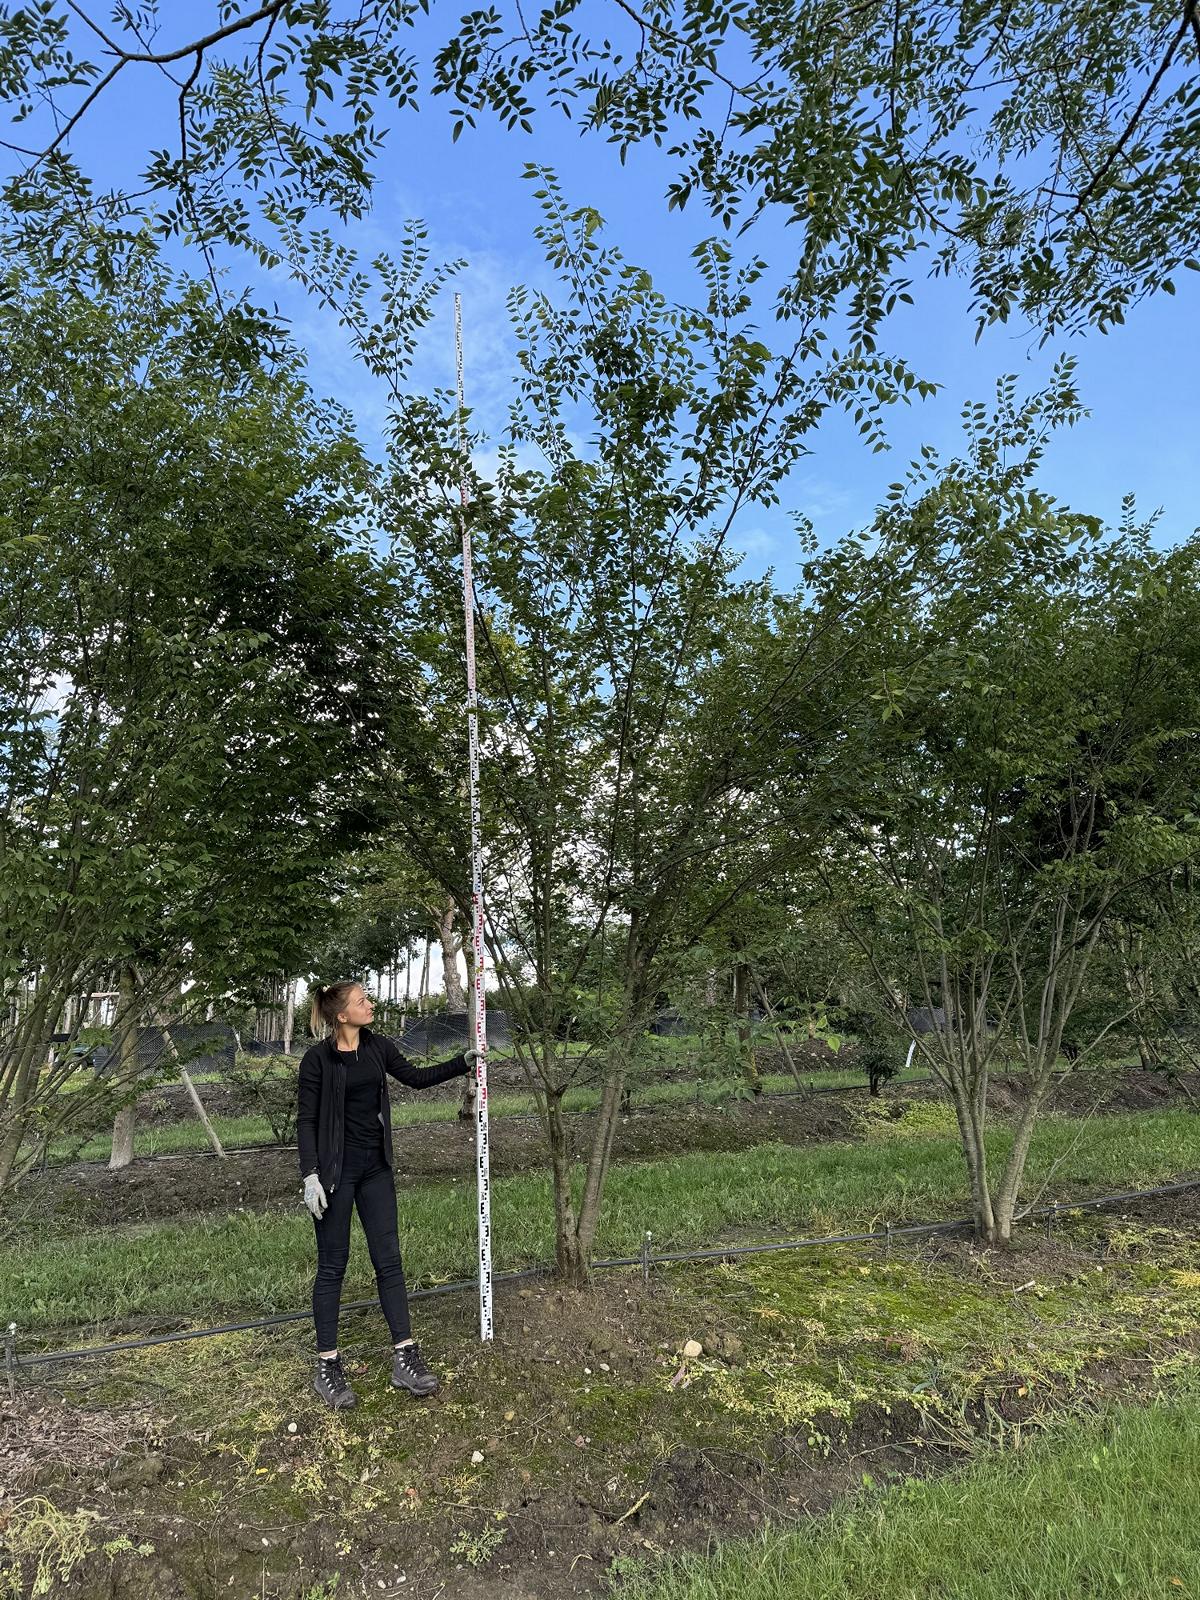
471, 1057
314, 1196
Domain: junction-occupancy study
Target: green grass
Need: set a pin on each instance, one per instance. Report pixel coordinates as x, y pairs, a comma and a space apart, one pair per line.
1100, 1509
173, 1137
257, 1262
167, 1138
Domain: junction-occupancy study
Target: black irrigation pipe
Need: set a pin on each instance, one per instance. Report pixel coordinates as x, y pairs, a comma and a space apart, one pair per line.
258, 1322
645, 1260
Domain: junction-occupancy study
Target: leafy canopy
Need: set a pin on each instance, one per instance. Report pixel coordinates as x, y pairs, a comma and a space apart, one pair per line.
1048, 151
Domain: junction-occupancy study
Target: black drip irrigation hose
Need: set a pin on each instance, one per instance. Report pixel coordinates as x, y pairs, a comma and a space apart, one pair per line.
258, 1322
645, 1260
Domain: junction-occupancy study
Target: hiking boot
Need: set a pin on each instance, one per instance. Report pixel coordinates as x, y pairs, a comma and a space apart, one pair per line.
410, 1372
330, 1383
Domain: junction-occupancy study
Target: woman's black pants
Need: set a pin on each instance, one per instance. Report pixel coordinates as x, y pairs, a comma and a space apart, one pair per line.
366, 1182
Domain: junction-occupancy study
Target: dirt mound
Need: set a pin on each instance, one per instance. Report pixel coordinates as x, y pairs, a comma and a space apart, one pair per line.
1133, 1090
1081, 1092
806, 1053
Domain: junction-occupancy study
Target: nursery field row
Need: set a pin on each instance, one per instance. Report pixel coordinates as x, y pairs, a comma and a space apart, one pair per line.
168, 1126
186, 1136
589, 1440
258, 1261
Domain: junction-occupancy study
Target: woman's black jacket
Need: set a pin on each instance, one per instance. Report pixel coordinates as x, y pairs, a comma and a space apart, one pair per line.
320, 1113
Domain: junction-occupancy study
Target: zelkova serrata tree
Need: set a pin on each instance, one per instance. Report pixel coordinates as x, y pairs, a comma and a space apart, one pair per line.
1029, 767
637, 702
1049, 151
197, 663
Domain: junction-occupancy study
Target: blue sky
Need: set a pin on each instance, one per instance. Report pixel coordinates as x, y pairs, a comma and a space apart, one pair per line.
1138, 381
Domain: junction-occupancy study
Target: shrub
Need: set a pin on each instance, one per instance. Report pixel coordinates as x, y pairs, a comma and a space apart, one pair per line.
880, 1056
267, 1086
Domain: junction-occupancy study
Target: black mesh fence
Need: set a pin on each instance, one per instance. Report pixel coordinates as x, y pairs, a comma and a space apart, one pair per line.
201, 1046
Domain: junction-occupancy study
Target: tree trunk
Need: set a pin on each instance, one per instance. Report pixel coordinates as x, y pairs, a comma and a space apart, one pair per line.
125, 1028
19, 1084
620, 1052
741, 1010
567, 1258
456, 1000
1014, 1167
423, 990
971, 1131
607, 1115
575, 1232
289, 1016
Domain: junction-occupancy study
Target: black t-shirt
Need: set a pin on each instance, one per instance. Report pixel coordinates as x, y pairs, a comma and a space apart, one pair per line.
363, 1075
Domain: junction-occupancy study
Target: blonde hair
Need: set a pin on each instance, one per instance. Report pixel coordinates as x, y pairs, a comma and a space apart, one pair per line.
327, 1000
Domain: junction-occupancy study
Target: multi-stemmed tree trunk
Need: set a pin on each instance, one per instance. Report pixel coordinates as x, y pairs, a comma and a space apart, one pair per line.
128, 1070
1014, 779
576, 1225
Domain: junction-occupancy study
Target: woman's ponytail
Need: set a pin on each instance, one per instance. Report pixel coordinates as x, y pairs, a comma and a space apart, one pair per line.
315, 1023
327, 1000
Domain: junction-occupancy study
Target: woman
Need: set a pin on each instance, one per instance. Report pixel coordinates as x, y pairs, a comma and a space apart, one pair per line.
344, 1129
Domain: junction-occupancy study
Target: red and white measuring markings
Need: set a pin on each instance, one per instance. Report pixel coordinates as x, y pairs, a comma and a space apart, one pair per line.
483, 1177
